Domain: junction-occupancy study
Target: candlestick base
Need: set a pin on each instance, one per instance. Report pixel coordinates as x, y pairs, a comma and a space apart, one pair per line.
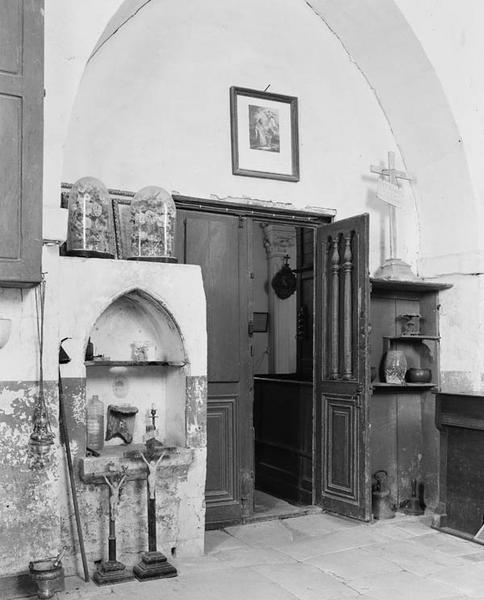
111, 571
395, 269
153, 565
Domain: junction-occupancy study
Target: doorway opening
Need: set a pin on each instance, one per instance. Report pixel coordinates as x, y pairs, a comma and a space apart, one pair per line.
282, 357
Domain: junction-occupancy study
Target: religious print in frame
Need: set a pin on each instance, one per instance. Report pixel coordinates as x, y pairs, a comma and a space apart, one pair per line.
264, 128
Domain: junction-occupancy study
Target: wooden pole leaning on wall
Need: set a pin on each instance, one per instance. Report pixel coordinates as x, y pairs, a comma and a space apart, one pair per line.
64, 358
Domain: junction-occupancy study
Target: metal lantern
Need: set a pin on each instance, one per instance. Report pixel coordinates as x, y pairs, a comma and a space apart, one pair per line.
152, 226
90, 230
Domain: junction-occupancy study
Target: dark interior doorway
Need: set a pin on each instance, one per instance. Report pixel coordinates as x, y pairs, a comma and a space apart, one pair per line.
283, 388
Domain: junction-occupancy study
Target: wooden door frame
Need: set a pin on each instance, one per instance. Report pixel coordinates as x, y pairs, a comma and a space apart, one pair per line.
294, 218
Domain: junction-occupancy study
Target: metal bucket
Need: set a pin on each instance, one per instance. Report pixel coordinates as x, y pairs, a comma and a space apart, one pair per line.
48, 576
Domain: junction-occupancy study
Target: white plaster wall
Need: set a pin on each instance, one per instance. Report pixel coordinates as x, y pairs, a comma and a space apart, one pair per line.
71, 31
153, 107
451, 36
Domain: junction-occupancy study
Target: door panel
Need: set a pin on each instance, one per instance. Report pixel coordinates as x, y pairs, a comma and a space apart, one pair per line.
21, 140
221, 477
219, 244
343, 483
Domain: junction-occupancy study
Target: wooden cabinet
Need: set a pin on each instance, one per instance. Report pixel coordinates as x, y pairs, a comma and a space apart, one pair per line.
404, 440
21, 124
460, 419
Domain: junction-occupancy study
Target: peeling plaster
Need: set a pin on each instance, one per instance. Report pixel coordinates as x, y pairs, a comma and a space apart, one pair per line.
196, 409
29, 518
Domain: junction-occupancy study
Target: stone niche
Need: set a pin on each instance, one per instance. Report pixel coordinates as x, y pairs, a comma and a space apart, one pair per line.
146, 323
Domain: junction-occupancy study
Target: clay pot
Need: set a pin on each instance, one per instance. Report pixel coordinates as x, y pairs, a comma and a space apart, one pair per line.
418, 375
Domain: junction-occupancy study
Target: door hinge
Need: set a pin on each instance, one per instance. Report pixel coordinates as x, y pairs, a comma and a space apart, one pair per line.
250, 328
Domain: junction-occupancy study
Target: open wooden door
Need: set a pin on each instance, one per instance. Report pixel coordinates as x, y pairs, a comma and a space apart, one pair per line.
341, 424
219, 244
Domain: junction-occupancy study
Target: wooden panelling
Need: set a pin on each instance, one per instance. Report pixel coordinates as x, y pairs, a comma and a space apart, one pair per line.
383, 419
11, 36
339, 430
10, 175
220, 486
211, 242
465, 480
21, 140
219, 244
342, 450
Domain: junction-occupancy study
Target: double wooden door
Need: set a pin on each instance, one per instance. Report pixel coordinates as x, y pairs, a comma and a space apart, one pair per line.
220, 244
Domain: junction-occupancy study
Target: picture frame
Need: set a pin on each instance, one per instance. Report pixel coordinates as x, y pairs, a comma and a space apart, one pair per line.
264, 134
121, 213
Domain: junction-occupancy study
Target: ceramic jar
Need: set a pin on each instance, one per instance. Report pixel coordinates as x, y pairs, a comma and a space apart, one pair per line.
90, 230
395, 367
152, 226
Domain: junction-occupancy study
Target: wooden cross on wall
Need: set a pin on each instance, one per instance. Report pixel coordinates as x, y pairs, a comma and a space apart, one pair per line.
390, 192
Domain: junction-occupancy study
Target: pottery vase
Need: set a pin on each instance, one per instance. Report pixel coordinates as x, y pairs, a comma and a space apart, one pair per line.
395, 367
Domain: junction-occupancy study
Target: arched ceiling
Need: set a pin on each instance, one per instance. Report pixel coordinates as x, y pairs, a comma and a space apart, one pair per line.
383, 47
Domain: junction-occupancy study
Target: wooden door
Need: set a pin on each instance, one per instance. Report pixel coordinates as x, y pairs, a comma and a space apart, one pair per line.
342, 470
219, 244
21, 131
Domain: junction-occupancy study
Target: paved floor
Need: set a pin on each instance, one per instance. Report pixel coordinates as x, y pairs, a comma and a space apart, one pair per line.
316, 557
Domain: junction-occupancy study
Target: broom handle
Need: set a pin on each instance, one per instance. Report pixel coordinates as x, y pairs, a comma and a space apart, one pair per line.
65, 435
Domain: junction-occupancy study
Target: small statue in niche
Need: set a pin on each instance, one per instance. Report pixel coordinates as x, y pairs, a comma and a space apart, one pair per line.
121, 420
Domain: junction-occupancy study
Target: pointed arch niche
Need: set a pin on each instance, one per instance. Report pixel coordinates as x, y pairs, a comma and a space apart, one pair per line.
122, 306
139, 360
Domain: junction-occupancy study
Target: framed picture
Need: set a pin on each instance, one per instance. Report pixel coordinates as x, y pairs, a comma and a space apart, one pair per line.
121, 212
264, 134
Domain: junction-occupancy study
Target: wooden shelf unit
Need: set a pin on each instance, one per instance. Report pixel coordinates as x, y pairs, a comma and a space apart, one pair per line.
403, 433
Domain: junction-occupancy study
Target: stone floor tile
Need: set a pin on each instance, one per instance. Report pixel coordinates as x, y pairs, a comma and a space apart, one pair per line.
354, 564
468, 579
415, 558
201, 564
448, 544
415, 525
404, 586
317, 525
247, 556
307, 582
232, 584
218, 540
268, 533
331, 542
